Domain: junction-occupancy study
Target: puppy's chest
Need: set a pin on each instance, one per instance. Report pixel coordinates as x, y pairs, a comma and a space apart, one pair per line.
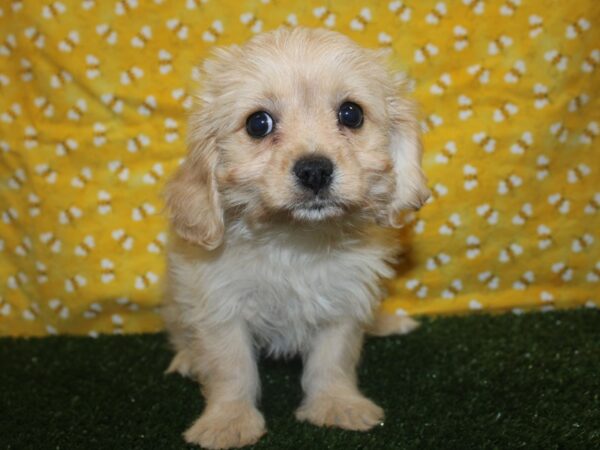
290, 296
292, 289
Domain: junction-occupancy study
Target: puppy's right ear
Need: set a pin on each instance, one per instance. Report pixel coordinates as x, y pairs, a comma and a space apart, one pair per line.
192, 195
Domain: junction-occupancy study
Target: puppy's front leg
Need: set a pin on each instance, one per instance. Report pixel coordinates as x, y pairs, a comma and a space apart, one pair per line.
225, 362
329, 380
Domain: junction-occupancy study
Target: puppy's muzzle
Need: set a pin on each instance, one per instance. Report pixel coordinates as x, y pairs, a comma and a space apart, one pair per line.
314, 172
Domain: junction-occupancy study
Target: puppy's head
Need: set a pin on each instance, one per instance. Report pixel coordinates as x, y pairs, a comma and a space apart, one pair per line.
301, 124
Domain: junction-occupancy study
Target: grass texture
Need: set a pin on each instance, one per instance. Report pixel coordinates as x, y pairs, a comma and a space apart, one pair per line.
477, 382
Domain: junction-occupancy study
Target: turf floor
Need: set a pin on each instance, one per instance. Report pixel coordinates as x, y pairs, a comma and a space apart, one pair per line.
530, 381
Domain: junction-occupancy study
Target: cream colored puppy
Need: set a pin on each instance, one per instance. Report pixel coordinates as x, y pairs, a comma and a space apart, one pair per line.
303, 150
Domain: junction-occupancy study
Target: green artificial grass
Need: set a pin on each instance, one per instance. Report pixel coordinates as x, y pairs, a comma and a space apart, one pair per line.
530, 381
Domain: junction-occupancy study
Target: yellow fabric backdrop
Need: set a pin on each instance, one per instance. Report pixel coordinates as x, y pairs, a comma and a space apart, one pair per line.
92, 120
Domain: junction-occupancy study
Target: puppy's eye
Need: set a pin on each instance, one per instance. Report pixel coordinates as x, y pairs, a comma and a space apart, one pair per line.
259, 124
350, 115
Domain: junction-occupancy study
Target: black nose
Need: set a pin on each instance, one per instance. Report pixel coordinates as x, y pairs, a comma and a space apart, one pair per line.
314, 172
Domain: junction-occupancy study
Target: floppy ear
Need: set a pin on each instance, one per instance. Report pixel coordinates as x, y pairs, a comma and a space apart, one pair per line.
411, 190
192, 195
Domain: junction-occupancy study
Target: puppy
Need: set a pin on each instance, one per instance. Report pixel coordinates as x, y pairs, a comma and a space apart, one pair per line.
303, 151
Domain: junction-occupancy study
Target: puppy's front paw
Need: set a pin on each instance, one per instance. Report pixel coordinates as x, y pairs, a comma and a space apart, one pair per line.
230, 426
348, 412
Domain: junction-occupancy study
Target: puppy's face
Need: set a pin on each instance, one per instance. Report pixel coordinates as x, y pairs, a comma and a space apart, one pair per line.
302, 124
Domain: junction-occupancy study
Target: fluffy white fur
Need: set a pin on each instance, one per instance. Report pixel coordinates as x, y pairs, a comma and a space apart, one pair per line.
252, 266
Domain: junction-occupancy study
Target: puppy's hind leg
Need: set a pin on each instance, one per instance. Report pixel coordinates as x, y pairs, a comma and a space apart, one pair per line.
182, 363
386, 324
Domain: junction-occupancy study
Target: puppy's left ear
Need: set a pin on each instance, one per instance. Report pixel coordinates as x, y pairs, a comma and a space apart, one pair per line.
406, 148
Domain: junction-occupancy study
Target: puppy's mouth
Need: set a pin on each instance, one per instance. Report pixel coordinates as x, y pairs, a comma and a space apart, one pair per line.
317, 209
